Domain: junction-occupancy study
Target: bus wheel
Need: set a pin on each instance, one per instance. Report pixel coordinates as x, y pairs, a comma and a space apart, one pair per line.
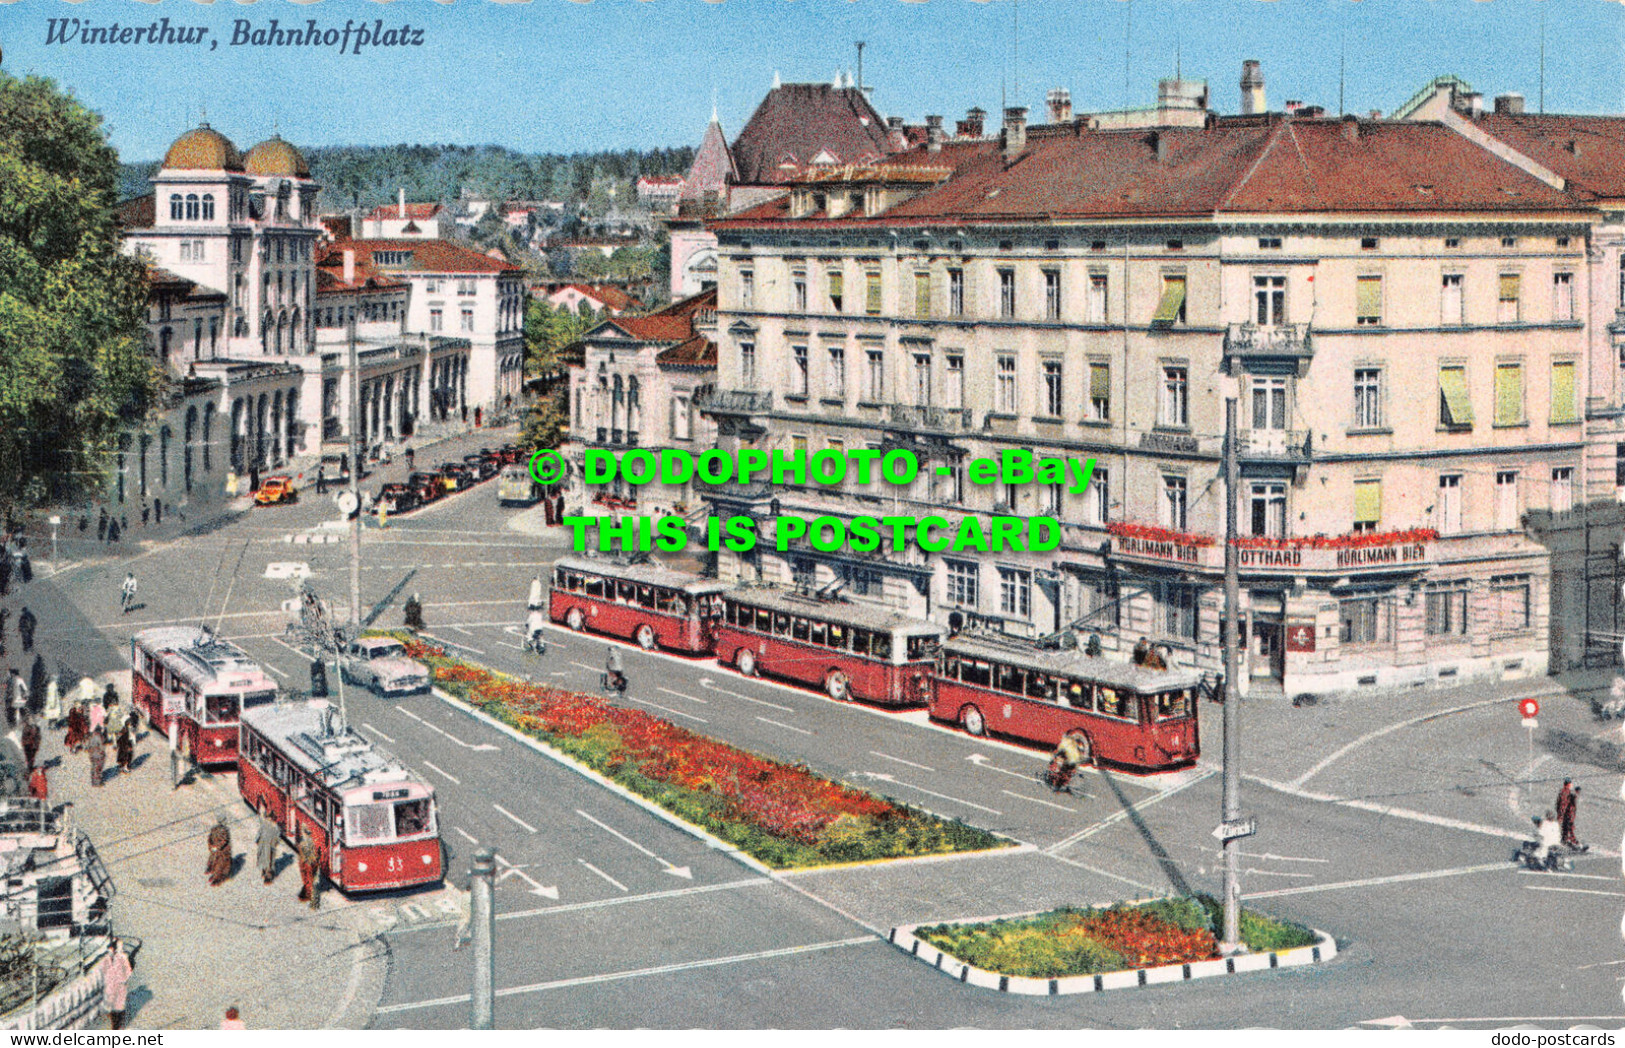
970, 718
745, 662
575, 620
646, 637
838, 685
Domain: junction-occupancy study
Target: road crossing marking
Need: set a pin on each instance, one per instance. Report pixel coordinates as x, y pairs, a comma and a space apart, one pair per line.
781, 724
1118, 816
376, 732
273, 669
510, 870
676, 871
465, 835
1398, 878
514, 817
899, 760
1572, 891
1040, 800
464, 632
443, 773
602, 874
477, 747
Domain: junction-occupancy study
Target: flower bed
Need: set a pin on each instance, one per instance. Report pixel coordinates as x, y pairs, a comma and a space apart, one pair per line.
1094, 941
1151, 533
1350, 541
782, 814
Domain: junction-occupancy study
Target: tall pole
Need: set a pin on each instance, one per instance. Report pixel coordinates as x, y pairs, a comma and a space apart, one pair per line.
1232, 688
355, 481
482, 921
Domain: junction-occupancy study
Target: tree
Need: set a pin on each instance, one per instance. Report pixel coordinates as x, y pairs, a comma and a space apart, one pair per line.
73, 368
547, 422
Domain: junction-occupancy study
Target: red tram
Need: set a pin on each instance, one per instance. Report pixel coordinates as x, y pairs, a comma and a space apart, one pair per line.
187, 676
655, 606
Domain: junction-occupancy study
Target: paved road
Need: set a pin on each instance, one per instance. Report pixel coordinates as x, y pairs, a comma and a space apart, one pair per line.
1393, 835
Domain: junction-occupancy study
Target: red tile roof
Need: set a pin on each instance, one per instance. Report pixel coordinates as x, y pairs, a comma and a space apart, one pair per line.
608, 294
697, 352
428, 256
675, 323
413, 211
797, 122
136, 213
1588, 151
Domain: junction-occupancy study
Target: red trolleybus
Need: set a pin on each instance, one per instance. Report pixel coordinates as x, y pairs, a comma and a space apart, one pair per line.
852, 651
187, 676
652, 605
373, 820
1133, 716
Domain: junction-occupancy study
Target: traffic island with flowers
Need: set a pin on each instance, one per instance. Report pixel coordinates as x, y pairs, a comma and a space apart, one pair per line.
781, 814
1072, 950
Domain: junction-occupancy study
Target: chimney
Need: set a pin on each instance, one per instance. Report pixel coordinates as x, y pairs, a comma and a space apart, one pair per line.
1015, 132
1351, 127
1472, 103
1159, 144
1060, 105
1252, 88
401, 207
933, 133
349, 266
973, 124
1509, 104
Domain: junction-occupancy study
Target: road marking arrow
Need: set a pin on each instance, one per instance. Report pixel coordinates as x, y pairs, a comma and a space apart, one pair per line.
480, 748
510, 870
676, 871
981, 761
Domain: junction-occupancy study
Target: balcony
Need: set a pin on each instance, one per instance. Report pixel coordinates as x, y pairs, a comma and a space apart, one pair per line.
735, 401
942, 420
1269, 451
1291, 341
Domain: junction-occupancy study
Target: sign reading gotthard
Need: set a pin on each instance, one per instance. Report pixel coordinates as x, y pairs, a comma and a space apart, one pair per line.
1403, 551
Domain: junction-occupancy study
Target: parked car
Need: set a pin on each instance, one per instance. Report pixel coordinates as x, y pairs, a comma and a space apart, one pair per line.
275, 491
459, 475
381, 663
333, 463
511, 454
427, 485
484, 464
398, 498
516, 488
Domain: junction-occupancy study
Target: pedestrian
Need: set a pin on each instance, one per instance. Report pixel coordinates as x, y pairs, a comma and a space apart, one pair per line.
1549, 836
265, 841
218, 867
476, 416
96, 749
411, 458
25, 563
116, 968
1141, 649
157, 511
5, 571
96, 717
1567, 810
125, 750
109, 696
78, 728
101, 525
38, 678
321, 481
53, 703
25, 628
16, 697
124, 522
383, 514
145, 510
1072, 751
534, 601
414, 613
233, 1020
84, 521
112, 532
127, 591
38, 788
30, 742
310, 869
116, 719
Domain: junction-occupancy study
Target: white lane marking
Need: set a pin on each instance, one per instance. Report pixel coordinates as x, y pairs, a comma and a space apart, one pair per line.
1426, 875
1118, 816
596, 904
602, 874
1039, 800
667, 709
549, 891
899, 760
273, 669
452, 643
705, 682
781, 724
1573, 891
514, 817
690, 698
302, 654
1515, 1019
515, 647
1568, 876
1277, 873
589, 669
1387, 811
980, 760
460, 629
376, 732
1599, 964
445, 774
1148, 888
884, 777
478, 748
464, 834
679, 871
664, 969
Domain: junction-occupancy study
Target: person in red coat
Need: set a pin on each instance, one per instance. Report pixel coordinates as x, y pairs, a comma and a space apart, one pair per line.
37, 786
1568, 800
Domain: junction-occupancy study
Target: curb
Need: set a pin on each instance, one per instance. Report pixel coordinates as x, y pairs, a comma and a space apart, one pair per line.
903, 938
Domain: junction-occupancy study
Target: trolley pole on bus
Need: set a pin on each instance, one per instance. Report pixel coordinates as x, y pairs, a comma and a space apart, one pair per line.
482, 1004
1230, 830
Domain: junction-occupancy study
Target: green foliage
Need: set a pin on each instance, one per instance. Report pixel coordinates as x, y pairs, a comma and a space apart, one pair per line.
547, 420
1260, 932
73, 369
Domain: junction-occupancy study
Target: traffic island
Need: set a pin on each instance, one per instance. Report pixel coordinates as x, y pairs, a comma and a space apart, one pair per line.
1145, 943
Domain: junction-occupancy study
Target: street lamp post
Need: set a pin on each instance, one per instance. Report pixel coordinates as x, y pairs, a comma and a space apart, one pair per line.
55, 522
482, 1002
1229, 830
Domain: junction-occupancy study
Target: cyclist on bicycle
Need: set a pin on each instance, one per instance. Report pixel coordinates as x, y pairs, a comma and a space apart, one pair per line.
613, 676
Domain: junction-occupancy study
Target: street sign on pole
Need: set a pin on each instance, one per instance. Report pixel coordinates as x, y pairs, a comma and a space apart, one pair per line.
1231, 831
1530, 708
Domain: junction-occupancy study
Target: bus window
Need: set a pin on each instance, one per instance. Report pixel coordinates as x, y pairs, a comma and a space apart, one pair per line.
646, 596
880, 645
1078, 695
921, 648
837, 636
1110, 702
625, 592
412, 817
1009, 678
1040, 686
975, 671
764, 621
781, 623
665, 601
819, 633
1173, 704
367, 822
559, 579
258, 698
595, 587
949, 669
574, 583
158, 674
220, 709
318, 804
860, 642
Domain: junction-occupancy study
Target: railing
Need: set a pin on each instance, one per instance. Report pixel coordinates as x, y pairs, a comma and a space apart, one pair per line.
1279, 340
754, 490
1280, 444
915, 416
735, 401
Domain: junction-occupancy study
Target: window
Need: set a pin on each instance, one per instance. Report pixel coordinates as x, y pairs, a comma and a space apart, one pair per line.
1007, 293
1506, 500
1174, 245
1363, 620
1015, 593
177, 213
1368, 243
922, 379
1269, 301
1052, 388
1004, 388
871, 293
1509, 602
1177, 605
798, 291
953, 394
1269, 403
798, 371
1171, 306
803, 573
1367, 398
1269, 243
1449, 504
468, 318
1100, 391
465, 287
1452, 242
874, 389
1562, 241
1562, 489
680, 427
1506, 310
1052, 294
208, 207
922, 295
1368, 301
1097, 499
1367, 506
835, 377
836, 292
862, 582
1447, 608
1097, 298
1450, 301
1455, 410
747, 364
961, 578
747, 289
430, 286
1562, 296
1175, 397
1268, 504
1054, 501
191, 207
1173, 503
956, 292
1509, 394
1509, 241
437, 320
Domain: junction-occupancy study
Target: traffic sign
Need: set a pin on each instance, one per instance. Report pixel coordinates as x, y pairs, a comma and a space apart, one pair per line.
1530, 722
1229, 831
1529, 708
346, 501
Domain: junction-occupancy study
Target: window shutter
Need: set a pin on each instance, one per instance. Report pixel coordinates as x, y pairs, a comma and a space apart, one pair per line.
1173, 297
1563, 392
1508, 394
1100, 381
1367, 501
1458, 409
1368, 297
922, 294
872, 299
834, 285
1509, 287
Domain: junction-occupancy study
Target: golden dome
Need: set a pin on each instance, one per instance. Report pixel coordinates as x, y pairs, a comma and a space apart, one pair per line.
276, 157
203, 149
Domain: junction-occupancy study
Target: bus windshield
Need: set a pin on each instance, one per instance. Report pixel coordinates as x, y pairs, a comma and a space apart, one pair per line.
413, 817
258, 698
922, 648
219, 709
1172, 705
367, 822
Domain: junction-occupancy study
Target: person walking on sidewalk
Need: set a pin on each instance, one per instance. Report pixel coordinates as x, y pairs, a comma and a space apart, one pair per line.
25, 628
101, 526
78, 726
413, 612
38, 788
126, 748
96, 748
310, 870
127, 591
1567, 810
30, 742
96, 718
157, 511
321, 481
219, 864
265, 842
38, 678
116, 970
16, 697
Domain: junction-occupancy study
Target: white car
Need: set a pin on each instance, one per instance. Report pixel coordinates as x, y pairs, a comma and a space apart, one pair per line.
380, 663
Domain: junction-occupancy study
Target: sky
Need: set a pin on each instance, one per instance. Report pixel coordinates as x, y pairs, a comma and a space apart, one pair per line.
562, 76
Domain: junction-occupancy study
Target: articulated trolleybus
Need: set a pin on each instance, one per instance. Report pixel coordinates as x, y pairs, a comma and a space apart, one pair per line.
187, 676
373, 820
652, 605
1133, 716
